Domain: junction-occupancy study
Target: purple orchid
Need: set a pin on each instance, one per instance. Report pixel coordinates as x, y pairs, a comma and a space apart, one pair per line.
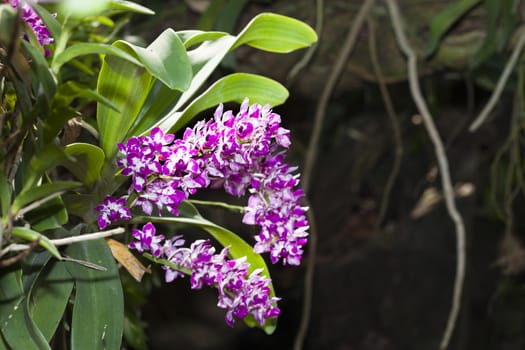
112, 210
240, 293
30, 16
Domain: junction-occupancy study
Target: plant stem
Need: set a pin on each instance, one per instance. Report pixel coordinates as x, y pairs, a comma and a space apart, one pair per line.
235, 208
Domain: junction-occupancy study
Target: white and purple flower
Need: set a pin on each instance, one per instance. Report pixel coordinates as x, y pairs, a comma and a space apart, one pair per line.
241, 153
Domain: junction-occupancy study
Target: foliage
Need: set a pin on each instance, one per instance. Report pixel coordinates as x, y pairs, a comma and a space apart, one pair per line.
58, 157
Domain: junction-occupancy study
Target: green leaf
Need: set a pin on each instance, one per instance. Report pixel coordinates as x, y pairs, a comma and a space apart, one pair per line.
50, 215
81, 205
270, 32
49, 297
194, 37
44, 159
160, 100
16, 326
79, 9
238, 247
165, 59
126, 85
204, 60
443, 21
98, 311
44, 190
130, 6
8, 16
90, 160
61, 110
500, 24
32, 266
30, 235
276, 33
55, 28
5, 194
41, 69
232, 88
87, 49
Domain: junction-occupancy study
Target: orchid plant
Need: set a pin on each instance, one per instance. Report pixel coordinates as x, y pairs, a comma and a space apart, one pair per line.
70, 177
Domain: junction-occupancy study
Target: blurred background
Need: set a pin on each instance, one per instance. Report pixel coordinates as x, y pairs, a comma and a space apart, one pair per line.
385, 261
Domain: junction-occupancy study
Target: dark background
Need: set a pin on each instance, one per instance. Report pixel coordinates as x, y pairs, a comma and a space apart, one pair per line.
379, 284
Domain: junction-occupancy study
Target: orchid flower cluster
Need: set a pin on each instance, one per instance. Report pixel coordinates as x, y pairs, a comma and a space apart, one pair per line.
241, 294
242, 153
30, 16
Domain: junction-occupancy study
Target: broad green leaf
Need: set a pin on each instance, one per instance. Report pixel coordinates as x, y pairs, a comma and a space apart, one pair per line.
238, 247
276, 33
165, 59
34, 194
126, 85
49, 297
443, 21
130, 6
16, 326
232, 88
98, 312
90, 160
270, 32
32, 266
79, 8
87, 49
30, 235
204, 60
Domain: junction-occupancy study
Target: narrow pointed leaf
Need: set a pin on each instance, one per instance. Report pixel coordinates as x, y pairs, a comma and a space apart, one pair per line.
30, 235
443, 21
54, 27
87, 49
5, 194
194, 37
41, 70
42, 191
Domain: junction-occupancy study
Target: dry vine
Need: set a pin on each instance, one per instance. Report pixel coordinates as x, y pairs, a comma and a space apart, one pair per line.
328, 89
446, 182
